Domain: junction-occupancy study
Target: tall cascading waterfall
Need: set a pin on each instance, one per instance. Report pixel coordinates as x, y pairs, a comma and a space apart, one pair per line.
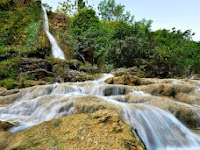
57, 52
158, 129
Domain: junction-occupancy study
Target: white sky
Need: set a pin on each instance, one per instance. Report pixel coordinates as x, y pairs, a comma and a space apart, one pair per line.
181, 14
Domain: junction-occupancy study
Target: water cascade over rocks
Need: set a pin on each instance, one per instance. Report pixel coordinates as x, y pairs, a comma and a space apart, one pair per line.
57, 52
158, 129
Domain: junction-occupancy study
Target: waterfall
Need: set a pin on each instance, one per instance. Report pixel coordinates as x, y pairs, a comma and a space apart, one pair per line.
157, 128
160, 129
57, 52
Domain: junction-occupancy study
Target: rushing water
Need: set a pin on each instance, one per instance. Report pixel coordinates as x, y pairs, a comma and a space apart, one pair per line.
158, 129
57, 52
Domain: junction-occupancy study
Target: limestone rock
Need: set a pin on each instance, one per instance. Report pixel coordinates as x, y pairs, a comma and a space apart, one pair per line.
5, 126
38, 74
194, 77
76, 132
33, 83
31, 64
125, 80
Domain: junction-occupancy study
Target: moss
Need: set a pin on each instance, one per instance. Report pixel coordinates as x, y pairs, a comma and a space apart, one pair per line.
141, 73
90, 78
48, 79
27, 85
182, 77
121, 74
84, 131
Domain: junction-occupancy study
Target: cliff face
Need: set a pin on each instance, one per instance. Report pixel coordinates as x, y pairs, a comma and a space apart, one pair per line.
20, 33
25, 51
20, 25
60, 28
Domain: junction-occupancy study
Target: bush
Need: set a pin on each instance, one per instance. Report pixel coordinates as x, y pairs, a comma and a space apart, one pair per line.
107, 68
175, 50
10, 68
8, 83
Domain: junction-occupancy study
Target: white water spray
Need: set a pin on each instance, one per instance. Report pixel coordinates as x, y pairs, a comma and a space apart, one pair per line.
57, 52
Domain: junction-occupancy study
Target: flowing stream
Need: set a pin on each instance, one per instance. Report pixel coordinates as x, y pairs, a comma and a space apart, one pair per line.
157, 128
57, 52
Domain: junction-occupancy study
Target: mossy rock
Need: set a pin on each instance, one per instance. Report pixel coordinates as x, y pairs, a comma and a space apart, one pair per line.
99, 130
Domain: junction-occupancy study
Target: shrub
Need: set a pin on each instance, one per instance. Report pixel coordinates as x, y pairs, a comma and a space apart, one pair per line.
7, 83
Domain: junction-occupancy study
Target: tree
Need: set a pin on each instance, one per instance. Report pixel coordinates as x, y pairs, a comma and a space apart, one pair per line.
81, 4
128, 42
70, 8
111, 11
66, 7
176, 50
85, 26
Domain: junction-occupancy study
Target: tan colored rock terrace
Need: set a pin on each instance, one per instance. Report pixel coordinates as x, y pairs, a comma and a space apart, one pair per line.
100, 130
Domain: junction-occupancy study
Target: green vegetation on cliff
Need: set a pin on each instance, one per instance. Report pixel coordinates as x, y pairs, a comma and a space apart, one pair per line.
20, 26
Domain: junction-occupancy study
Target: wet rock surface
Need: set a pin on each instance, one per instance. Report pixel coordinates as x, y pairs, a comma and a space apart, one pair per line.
5, 126
154, 99
180, 97
31, 64
125, 80
100, 130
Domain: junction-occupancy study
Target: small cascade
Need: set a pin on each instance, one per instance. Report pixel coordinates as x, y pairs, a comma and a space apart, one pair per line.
57, 52
158, 129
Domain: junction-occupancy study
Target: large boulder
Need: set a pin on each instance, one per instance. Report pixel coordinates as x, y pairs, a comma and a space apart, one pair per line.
100, 130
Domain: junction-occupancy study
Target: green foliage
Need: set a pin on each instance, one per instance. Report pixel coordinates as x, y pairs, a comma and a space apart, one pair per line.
16, 25
7, 83
107, 68
111, 11
83, 20
48, 79
22, 80
70, 8
32, 31
85, 25
9, 68
114, 41
66, 7
124, 43
177, 51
